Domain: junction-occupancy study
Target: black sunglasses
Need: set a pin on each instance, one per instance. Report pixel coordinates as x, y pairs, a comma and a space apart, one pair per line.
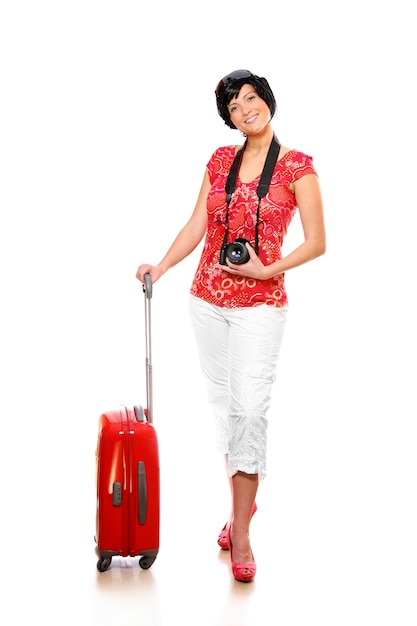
230, 78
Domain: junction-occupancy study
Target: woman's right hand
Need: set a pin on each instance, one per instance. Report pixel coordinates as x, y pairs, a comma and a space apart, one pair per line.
154, 270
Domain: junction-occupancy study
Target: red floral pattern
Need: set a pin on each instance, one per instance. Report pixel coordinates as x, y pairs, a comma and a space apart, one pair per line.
278, 207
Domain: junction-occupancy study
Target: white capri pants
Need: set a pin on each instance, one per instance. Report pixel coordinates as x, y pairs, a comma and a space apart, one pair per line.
238, 350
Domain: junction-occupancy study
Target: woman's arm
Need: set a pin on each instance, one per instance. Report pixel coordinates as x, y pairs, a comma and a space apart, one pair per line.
309, 201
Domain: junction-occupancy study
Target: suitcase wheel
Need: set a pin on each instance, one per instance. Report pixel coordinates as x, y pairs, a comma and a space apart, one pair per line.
103, 564
146, 561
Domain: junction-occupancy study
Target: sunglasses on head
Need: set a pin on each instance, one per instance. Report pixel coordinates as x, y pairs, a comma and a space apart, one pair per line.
230, 78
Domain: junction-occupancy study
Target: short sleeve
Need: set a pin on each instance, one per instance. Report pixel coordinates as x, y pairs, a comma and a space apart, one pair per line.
300, 164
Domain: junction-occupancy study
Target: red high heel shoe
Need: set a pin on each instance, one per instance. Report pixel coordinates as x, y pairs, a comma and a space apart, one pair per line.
243, 572
222, 538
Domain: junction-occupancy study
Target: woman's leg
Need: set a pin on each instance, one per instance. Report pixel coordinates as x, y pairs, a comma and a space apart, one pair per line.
212, 337
254, 344
245, 487
255, 340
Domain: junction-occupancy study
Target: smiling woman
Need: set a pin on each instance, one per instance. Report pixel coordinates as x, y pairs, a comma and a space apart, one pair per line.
238, 301
228, 90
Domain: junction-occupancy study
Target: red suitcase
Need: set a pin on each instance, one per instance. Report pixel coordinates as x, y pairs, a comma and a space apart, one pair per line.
127, 475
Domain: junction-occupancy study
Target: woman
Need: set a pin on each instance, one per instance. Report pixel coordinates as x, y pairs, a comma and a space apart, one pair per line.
238, 305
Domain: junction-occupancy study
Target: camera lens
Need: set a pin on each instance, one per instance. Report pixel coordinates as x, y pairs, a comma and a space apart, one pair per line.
237, 253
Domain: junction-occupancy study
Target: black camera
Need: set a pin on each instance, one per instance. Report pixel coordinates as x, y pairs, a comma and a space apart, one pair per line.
236, 252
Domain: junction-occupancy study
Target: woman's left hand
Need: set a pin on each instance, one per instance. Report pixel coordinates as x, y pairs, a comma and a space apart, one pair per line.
254, 268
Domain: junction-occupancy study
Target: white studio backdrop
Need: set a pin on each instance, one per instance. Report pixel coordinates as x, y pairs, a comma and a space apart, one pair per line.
107, 121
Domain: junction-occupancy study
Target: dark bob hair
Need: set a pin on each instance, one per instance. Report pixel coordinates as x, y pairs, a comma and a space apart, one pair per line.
229, 87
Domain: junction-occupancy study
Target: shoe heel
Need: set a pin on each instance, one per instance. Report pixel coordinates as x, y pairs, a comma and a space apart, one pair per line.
222, 538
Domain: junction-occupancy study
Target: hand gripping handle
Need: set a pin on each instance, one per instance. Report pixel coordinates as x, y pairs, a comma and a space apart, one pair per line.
147, 287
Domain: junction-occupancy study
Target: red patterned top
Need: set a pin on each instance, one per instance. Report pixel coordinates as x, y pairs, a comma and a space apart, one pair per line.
278, 207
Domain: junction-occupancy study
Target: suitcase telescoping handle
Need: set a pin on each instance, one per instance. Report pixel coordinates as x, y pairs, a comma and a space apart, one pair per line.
147, 289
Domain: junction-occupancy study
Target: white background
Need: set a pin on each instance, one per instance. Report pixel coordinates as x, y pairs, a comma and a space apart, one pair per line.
107, 119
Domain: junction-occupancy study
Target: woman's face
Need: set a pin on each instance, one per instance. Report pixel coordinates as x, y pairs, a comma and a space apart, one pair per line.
248, 112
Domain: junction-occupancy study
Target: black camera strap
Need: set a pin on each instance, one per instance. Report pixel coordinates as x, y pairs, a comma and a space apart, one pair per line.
263, 186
